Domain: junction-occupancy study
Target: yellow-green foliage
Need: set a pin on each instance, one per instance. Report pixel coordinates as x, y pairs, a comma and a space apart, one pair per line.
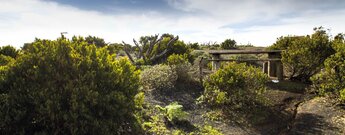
342, 95
204, 130
332, 78
300, 58
209, 130
179, 63
159, 77
68, 87
156, 125
234, 83
161, 117
139, 100
9, 51
177, 59
174, 112
4, 60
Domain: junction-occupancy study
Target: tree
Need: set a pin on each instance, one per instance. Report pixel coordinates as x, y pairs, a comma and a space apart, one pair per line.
194, 46
99, 42
151, 49
304, 55
228, 44
332, 78
114, 48
9, 50
65, 87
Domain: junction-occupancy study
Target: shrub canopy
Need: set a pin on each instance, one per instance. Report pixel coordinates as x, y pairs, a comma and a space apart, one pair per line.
234, 84
332, 78
64, 87
304, 55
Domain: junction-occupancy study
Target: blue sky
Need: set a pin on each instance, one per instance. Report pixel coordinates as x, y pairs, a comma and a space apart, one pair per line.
258, 22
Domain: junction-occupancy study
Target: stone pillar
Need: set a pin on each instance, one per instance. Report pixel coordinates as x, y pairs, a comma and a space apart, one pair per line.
215, 64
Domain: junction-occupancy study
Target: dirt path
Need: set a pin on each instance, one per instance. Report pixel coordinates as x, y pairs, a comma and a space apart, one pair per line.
318, 117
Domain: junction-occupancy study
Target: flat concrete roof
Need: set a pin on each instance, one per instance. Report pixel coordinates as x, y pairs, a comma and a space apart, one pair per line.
243, 51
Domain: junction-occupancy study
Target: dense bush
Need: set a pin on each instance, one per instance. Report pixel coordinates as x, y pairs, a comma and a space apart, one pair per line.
332, 78
194, 46
159, 77
180, 64
300, 58
234, 84
4, 60
228, 44
64, 87
9, 51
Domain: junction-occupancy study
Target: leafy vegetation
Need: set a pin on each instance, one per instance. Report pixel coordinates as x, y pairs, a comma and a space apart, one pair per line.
171, 119
228, 44
234, 85
9, 51
85, 86
299, 58
159, 77
66, 87
173, 112
180, 64
153, 50
332, 78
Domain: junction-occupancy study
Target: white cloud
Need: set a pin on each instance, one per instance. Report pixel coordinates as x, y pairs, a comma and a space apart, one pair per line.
33, 18
23, 20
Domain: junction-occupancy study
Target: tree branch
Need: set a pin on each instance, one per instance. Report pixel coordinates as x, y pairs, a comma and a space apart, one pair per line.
166, 50
152, 43
125, 48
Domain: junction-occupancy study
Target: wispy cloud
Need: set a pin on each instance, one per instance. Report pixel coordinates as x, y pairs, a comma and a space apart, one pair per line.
258, 22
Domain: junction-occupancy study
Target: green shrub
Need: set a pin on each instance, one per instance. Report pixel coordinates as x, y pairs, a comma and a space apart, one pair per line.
332, 78
234, 84
60, 87
139, 100
177, 59
4, 60
180, 64
197, 55
9, 51
300, 60
159, 77
228, 44
173, 112
209, 130
342, 95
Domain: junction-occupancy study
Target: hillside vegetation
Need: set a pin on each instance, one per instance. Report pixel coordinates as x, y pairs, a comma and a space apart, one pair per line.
87, 86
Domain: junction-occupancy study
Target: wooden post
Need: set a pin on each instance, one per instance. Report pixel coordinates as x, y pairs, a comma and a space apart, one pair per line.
280, 71
265, 67
200, 70
215, 64
272, 66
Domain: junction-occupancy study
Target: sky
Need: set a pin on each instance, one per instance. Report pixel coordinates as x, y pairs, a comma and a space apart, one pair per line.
256, 22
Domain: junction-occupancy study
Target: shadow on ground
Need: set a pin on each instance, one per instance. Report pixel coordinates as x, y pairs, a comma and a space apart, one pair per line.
185, 93
307, 123
288, 86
